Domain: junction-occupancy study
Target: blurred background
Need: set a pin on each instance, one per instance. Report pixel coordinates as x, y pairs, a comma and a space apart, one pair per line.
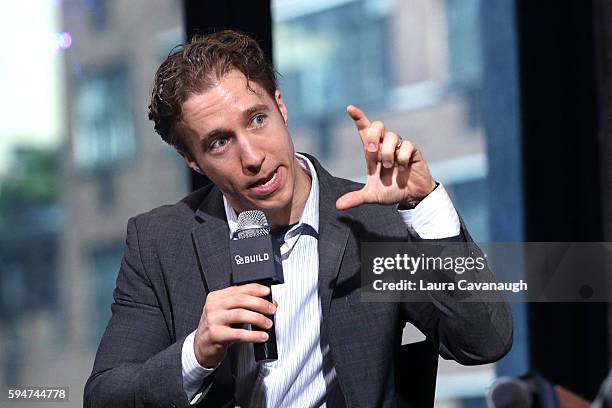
509, 100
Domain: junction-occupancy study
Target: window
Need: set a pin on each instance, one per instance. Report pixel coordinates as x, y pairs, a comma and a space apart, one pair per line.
104, 264
104, 132
99, 13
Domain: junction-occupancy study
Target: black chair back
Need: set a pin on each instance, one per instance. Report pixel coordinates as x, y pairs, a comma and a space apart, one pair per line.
415, 380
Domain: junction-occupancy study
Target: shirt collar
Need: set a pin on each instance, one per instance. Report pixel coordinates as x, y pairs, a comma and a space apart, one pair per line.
310, 215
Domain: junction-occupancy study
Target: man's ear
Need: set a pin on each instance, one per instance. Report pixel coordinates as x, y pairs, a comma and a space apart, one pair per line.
190, 161
281, 106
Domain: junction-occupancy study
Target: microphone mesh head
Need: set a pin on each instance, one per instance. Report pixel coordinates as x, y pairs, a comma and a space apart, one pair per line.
252, 223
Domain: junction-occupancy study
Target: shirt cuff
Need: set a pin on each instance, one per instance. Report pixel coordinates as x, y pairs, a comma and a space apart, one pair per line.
193, 373
434, 217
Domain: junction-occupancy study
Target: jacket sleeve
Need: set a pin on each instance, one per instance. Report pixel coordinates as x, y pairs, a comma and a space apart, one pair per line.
138, 363
474, 331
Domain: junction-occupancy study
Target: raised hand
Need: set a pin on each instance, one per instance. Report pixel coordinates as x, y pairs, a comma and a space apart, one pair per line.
396, 171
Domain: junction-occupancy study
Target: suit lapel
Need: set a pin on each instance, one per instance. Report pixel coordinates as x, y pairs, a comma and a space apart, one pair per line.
334, 228
211, 242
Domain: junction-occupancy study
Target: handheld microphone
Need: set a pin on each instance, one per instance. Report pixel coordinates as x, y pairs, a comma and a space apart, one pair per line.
255, 259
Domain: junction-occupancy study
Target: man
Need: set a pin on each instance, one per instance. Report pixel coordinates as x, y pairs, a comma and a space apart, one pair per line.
177, 334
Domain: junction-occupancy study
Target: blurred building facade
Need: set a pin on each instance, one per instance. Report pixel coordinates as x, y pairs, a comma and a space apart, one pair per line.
112, 167
115, 165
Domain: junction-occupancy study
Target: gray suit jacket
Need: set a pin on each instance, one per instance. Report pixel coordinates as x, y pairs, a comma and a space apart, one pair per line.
177, 254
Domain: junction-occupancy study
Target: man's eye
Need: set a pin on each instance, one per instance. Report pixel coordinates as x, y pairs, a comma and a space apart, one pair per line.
258, 120
218, 143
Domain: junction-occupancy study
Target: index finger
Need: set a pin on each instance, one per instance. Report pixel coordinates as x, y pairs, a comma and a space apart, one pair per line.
361, 120
253, 289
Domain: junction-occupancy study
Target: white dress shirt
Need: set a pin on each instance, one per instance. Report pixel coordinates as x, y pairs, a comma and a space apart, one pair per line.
297, 378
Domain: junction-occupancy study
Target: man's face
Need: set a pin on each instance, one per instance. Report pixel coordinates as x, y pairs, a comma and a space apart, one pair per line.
239, 139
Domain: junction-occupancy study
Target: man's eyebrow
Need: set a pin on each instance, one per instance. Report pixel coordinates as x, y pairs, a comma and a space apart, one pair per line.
260, 107
215, 132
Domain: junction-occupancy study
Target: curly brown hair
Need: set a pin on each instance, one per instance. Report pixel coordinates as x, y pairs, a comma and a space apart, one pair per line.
195, 67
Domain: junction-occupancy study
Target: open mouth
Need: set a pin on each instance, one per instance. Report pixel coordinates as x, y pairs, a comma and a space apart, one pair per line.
268, 186
269, 182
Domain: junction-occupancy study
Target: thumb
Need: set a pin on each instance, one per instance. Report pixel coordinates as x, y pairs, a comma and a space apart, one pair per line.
350, 200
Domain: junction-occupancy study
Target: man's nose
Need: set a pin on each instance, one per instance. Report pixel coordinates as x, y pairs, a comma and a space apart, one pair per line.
252, 155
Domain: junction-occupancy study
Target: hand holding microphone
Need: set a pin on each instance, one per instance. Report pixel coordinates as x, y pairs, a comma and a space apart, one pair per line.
256, 265
223, 310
